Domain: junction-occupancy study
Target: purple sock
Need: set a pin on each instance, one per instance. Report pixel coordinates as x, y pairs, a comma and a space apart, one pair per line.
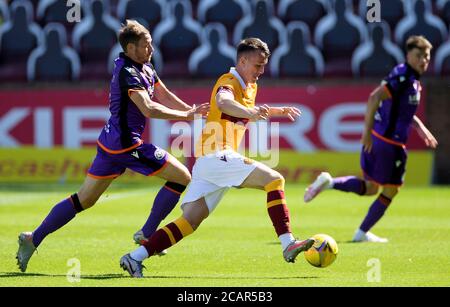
350, 184
165, 201
376, 211
60, 215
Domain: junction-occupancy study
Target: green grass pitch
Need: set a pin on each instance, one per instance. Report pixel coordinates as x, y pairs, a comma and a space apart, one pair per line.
236, 245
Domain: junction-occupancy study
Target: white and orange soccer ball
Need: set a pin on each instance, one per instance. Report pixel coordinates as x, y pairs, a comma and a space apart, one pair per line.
323, 252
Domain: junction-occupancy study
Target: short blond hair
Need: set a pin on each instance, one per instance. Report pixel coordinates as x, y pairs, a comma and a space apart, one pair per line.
419, 42
131, 32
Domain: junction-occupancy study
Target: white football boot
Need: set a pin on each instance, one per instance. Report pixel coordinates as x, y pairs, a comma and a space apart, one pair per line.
133, 267
322, 182
25, 251
361, 236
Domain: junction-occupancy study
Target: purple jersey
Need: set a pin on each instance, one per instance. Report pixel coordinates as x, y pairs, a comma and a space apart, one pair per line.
394, 115
126, 124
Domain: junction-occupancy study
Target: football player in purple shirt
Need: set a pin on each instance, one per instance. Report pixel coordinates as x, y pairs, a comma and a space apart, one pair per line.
134, 90
390, 114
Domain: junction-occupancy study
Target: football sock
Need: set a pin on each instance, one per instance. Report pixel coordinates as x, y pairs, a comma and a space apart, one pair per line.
276, 206
168, 235
286, 239
376, 211
139, 254
59, 216
350, 184
165, 201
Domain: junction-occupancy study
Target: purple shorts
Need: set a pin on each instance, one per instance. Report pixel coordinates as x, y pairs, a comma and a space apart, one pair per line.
147, 159
385, 164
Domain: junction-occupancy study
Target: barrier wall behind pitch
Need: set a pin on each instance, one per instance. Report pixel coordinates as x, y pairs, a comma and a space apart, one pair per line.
332, 120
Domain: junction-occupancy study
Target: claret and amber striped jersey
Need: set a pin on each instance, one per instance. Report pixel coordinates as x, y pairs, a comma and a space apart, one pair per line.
223, 131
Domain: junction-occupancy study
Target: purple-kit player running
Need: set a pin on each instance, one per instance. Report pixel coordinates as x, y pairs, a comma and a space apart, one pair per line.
390, 114
133, 90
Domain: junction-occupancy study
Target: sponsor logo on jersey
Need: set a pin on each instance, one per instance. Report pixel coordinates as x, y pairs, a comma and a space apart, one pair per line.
159, 154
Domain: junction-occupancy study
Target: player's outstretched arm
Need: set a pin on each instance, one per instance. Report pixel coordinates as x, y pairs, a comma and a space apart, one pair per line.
424, 133
169, 99
290, 112
150, 108
227, 105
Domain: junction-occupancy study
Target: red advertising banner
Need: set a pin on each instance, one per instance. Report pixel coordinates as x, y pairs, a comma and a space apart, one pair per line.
332, 117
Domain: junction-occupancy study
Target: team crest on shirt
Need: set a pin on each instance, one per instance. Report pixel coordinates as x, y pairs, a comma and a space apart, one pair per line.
159, 153
414, 99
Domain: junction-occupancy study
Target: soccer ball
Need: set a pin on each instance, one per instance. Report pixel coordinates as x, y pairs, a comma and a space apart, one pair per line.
323, 252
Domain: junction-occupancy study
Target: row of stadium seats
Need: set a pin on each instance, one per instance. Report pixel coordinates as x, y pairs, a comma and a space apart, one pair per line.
307, 37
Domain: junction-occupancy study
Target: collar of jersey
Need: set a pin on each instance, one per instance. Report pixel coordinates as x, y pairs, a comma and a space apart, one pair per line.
126, 58
235, 73
412, 71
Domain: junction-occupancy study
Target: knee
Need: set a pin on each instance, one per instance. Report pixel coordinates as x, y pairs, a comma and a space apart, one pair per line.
390, 192
276, 176
86, 201
274, 181
195, 213
371, 188
184, 177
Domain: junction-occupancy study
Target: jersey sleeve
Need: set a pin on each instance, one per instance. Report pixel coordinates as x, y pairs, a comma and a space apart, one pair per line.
393, 83
226, 86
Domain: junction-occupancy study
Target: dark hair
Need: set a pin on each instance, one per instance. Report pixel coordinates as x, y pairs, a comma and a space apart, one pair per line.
131, 32
252, 44
419, 42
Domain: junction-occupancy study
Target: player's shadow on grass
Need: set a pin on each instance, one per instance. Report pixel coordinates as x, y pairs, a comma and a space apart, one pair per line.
119, 276
232, 277
97, 277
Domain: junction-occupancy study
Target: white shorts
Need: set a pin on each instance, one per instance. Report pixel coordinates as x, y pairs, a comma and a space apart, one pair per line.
214, 174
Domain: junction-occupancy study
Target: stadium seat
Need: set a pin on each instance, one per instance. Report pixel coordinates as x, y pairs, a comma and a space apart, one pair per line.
93, 39
340, 31
53, 60
443, 8
308, 11
442, 59
21, 26
226, 12
421, 21
4, 12
177, 36
149, 10
13, 51
95, 35
297, 57
392, 11
214, 57
377, 56
263, 24
54, 11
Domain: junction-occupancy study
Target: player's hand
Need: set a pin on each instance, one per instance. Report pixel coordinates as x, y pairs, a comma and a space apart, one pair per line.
291, 112
366, 141
202, 109
262, 112
427, 137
